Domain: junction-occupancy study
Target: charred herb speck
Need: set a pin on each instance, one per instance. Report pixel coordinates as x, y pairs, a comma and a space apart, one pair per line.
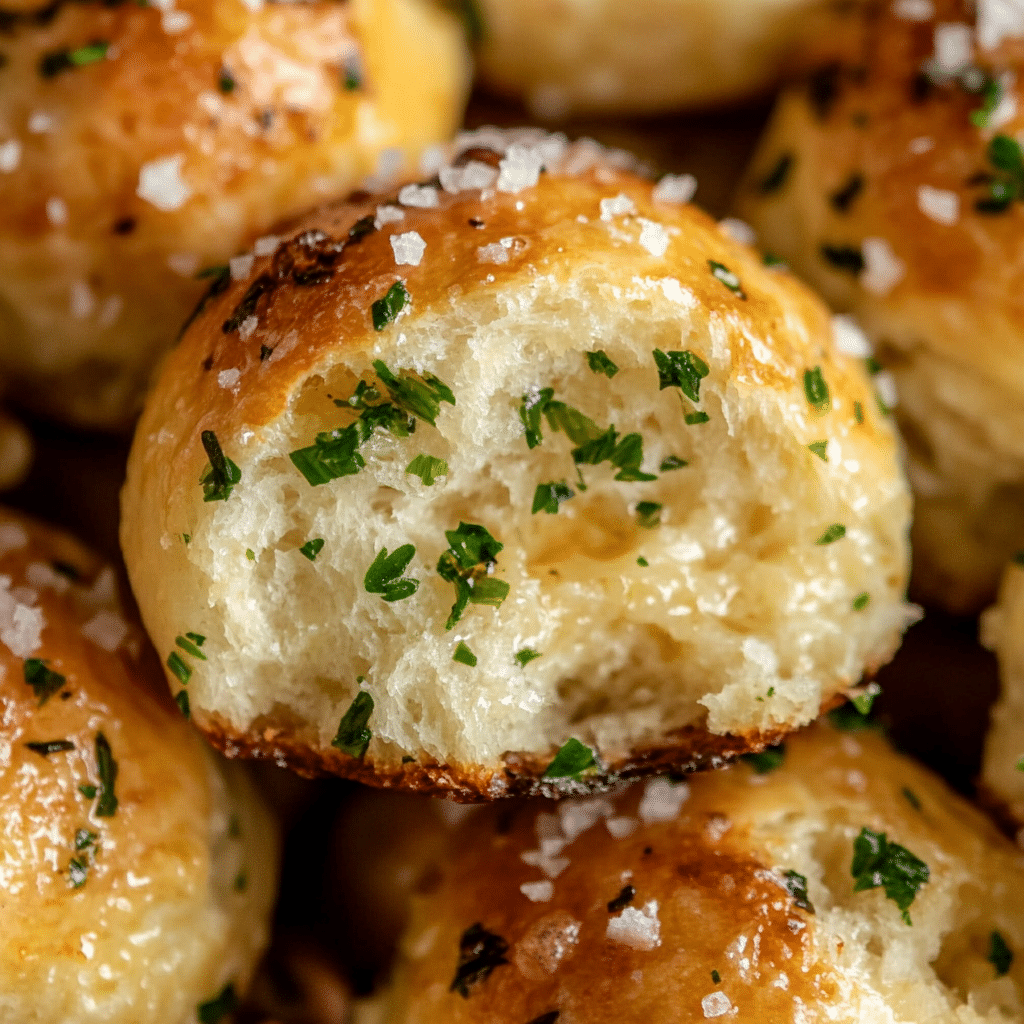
480, 952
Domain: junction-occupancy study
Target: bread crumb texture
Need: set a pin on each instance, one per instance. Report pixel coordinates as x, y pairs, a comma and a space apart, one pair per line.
744, 902
137, 870
558, 485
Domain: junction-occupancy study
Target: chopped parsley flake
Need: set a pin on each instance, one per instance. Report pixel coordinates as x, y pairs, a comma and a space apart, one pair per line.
46, 747
683, 370
766, 760
548, 497
858, 412
312, 548
221, 475
642, 562
385, 577
526, 655
796, 886
241, 882
1004, 153
352, 77
863, 702
468, 563
600, 363
991, 97
334, 454
693, 418
648, 514
353, 735
427, 468
816, 390
88, 791
190, 644
846, 718
226, 81
480, 952
722, 273
419, 398
843, 257
672, 462
181, 668
107, 803
44, 681
860, 602
214, 1010
250, 554
1020, 765
844, 196
464, 656
84, 838
1000, 956
716, 977
181, 699
819, 449
623, 900
386, 309
571, 761
877, 863
1018, 558
911, 798
78, 872
835, 532
776, 177
52, 64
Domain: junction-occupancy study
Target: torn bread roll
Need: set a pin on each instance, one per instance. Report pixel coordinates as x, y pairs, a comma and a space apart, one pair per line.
142, 145
567, 57
891, 178
846, 884
139, 870
531, 456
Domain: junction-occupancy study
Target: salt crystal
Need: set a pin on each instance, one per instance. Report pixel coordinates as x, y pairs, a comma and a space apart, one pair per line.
175, 22
241, 266
24, 630
953, 47
474, 175
106, 629
538, 892
519, 168
921, 145
161, 183
432, 160
423, 197
938, 204
229, 378
675, 188
914, 10
617, 206
56, 211
997, 20
408, 248
266, 246
577, 816
716, 1004
388, 215
12, 537
620, 828
184, 264
738, 230
849, 337
653, 237
885, 385
249, 325
882, 269
83, 302
636, 928
10, 155
40, 122
716, 827
662, 800
493, 253
43, 576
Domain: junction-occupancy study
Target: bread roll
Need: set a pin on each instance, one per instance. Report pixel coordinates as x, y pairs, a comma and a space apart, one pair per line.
848, 885
609, 57
138, 872
141, 145
881, 181
552, 461
1002, 631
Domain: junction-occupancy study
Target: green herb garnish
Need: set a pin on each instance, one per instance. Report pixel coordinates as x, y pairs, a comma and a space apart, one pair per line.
911, 798
46, 747
468, 563
548, 497
190, 644
683, 370
858, 412
722, 273
776, 177
571, 761
78, 872
54, 63
693, 418
766, 760
44, 681
84, 838
991, 97
648, 514
385, 577
716, 978
386, 309
181, 668
843, 257
353, 735
860, 602
877, 863
672, 462
819, 448
312, 548
221, 475
106, 805
480, 952
816, 390
352, 78
420, 398
846, 718
600, 363
181, 699
241, 882
623, 900
526, 655
464, 656
863, 702
214, 1010
427, 468
1004, 153
835, 532
334, 454
642, 562
88, 791
226, 81
796, 886
1000, 956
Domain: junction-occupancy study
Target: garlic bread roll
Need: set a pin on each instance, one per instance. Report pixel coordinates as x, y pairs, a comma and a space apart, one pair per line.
475, 469
141, 145
138, 871
847, 885
1002, 632
890, 178
609, 57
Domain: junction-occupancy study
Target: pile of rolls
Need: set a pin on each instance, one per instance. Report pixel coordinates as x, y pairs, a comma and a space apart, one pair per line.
483, 467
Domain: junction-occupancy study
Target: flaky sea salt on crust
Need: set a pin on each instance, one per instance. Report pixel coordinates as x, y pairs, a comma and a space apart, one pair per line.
161, 183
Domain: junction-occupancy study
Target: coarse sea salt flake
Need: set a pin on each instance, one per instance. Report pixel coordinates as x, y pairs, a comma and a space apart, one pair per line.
675, 188
249, 325
23, 632
388, 215
408, 248
161, 183
83, 301
953, 47
106, 629
914, 10
175, 22
653, 237
882, 269
10, 155
40, 122
921, 145
241, 266
184, 264
229, 378
538, 892
266, 246
738, 230
493, 253
938, 204
519, 168
12, 537
475, 175
636, 928
620, 828
423, 197
662, 800
716, 1004
849, 337
998, 19
617, 206
56, 211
